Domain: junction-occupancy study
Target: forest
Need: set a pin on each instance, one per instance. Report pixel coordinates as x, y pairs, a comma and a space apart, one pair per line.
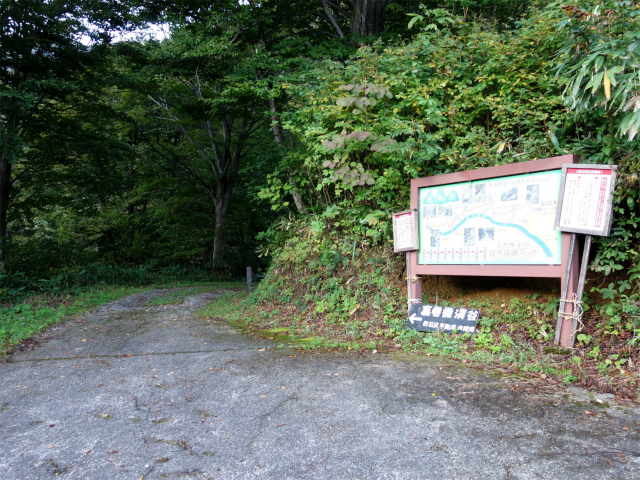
143, 142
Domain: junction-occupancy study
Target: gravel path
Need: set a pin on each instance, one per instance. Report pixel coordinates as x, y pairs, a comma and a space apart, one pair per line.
137, 392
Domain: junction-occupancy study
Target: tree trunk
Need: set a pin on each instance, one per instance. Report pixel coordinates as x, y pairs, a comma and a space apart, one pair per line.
368, 16
219, 237
5, 185
222, 198
278, 133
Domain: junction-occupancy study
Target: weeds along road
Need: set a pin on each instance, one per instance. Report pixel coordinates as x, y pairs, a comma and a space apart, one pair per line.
133, 392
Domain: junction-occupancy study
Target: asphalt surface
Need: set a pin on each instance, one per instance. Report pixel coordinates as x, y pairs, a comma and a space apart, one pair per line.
155, 393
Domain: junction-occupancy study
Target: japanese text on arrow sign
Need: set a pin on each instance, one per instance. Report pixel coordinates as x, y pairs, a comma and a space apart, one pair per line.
430, 318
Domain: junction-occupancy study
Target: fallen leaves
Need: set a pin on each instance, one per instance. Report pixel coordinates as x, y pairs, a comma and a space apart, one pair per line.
588, 412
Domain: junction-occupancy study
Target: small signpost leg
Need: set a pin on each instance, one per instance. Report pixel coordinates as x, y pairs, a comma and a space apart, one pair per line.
577, 309
565, 289
414, 286
409, 295
249, 279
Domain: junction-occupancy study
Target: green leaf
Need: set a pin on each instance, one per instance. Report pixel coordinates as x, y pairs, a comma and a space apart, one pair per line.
611, 74
597, 80
553, 139
599, 60
414, 19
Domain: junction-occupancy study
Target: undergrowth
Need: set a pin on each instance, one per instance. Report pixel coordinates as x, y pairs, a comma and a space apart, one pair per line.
349, 295
17, 285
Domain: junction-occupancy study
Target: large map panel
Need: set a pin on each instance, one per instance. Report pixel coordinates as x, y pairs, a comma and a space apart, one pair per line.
498, 221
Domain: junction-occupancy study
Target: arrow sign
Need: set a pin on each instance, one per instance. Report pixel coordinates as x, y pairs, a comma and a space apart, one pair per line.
432, 318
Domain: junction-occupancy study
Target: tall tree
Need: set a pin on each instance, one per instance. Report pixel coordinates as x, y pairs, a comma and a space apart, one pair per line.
43, 61
205, 110
366, 17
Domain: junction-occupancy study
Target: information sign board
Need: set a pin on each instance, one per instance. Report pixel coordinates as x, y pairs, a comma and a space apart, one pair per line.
430, 318
405, 231
585, 202
496, 221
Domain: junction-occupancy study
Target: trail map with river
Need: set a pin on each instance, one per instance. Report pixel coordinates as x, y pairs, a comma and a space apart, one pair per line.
508, 220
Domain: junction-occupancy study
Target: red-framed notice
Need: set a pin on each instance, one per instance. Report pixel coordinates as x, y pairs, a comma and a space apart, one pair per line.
405, 231
585, 204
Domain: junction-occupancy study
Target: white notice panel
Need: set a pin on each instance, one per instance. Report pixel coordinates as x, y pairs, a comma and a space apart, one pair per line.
405, 231
586, 199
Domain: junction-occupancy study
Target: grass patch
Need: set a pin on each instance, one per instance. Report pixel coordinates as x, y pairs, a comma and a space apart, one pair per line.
37, 312
24, 320
225, 306
179, 296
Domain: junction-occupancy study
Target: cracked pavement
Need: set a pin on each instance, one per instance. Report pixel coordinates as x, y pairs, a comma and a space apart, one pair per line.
132, 392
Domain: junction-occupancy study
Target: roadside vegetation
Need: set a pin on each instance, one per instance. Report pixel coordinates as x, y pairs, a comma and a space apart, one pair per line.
462, 94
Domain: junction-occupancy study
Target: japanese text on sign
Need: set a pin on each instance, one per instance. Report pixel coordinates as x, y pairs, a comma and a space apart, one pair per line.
586, 199
405, 231
429, 318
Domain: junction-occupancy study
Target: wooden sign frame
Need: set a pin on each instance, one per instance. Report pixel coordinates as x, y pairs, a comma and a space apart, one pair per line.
569, 265
548, 271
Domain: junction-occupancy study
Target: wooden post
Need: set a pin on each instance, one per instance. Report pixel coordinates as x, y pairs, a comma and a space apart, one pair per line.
577, 310
249, 279
569, 288
565, 308
414, 283
409, 295
565, 285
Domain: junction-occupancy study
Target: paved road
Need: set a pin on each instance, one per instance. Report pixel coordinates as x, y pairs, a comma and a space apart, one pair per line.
126, 393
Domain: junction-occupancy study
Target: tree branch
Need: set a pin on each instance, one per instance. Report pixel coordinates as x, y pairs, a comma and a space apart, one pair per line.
331, 18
